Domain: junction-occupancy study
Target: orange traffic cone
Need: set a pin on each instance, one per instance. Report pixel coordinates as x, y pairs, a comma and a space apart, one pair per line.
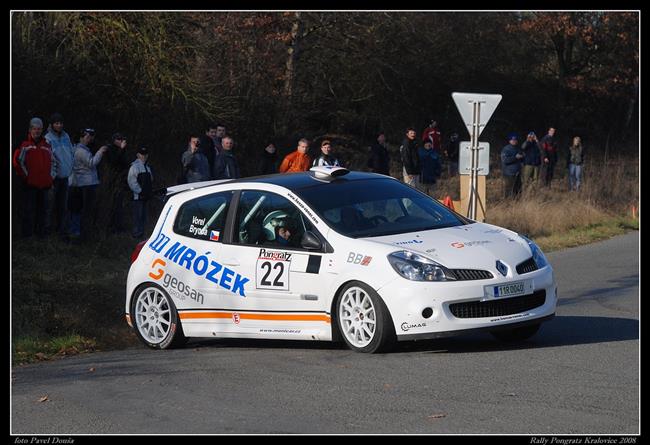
448, 202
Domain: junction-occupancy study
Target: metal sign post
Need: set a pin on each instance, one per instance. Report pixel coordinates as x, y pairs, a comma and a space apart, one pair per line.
476, 110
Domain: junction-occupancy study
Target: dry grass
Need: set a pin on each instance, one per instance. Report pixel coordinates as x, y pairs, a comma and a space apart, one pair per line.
609, 190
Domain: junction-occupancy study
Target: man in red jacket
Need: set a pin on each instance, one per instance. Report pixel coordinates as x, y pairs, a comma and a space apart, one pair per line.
432, 133
34, 164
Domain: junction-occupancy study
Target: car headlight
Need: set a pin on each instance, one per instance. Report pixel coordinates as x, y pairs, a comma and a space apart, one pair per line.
538, 255
416, 267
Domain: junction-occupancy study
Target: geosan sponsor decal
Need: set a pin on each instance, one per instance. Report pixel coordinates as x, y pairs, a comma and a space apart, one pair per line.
174, 286
200, 264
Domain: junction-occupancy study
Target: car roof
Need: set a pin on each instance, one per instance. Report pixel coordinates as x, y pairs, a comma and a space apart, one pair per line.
302, 180
291, 181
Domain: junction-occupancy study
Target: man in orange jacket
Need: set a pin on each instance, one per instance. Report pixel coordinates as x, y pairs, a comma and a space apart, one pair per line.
297, 161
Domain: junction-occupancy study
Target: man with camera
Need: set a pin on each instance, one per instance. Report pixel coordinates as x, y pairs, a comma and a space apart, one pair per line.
196, 167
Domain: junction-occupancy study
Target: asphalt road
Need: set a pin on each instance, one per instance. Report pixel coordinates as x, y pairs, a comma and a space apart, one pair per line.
579, 374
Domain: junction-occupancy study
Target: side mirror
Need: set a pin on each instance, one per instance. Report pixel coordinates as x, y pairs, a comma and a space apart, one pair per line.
310, 241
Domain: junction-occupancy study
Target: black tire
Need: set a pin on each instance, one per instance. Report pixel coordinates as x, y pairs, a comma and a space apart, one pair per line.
172, 336
382, 337
516, 334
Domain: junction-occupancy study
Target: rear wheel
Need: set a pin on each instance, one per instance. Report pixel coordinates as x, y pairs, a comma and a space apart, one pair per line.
155, 318
516, 334
363, 319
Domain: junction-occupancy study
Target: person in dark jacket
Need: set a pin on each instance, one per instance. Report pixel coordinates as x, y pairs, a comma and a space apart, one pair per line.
140, 179
116, 168
549, 147
34, 164
270, 162
452, 153
196, 167
430, 167
575, 159
83, 186
379, 161
410, 159
225, 164
63, 153
207, 144
532, 161
326, 158
511, 159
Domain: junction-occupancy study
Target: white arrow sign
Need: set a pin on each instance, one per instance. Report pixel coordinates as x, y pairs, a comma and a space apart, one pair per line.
465, 104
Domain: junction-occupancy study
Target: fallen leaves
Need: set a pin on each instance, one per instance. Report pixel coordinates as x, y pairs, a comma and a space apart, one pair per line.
43, 399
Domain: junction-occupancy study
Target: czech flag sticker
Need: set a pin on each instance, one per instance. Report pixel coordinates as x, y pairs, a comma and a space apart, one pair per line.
214, 235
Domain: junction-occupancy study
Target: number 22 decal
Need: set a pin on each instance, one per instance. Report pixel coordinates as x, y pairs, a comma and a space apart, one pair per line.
276, 282
273, 275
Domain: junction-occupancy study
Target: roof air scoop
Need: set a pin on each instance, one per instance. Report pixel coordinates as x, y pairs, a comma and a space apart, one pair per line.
328, 171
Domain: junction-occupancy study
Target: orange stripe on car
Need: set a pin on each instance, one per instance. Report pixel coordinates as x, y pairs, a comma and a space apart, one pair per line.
249, 316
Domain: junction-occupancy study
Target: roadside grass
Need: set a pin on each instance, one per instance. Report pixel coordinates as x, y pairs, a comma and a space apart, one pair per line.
32, 349
588, 234
68, 299
69, 293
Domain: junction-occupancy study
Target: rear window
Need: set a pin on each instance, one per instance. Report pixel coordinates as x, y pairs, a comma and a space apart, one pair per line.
203, 218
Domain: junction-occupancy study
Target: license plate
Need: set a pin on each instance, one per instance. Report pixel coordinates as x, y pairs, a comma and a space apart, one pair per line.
509, 289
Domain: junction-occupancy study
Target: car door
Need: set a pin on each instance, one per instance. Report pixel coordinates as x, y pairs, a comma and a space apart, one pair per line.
286, 293
188, 254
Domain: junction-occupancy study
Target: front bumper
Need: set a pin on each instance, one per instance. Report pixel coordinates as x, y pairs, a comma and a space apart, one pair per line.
422, 310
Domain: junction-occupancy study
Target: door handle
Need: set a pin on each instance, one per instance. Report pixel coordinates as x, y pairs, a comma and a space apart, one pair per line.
231, 262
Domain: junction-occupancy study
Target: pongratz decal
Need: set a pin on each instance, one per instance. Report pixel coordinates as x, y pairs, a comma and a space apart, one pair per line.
272, 269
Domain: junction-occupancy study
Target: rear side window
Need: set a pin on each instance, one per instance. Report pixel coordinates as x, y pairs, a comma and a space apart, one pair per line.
203, 218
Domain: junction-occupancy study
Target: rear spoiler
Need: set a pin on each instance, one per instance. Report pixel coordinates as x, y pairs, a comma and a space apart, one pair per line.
166, 192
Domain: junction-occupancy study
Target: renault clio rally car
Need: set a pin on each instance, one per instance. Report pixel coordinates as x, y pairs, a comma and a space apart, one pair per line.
330, 254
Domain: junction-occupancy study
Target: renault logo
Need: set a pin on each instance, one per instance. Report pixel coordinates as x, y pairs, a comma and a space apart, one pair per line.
501, 267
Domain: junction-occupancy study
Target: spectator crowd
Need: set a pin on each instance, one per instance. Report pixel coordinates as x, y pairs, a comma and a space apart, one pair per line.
59, 178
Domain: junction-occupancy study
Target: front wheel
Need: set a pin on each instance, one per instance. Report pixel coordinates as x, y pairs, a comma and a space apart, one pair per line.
363, 319
516, 334
155, 318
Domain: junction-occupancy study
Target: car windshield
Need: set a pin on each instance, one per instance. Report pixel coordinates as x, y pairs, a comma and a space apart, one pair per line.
377, 207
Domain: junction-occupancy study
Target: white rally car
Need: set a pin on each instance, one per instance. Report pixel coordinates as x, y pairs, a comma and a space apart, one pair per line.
327, 255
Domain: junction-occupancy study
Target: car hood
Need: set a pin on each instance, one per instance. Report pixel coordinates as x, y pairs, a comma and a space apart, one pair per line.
471, 246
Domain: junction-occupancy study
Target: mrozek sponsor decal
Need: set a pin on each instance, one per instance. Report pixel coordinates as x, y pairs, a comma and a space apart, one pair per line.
406, 327
201, 265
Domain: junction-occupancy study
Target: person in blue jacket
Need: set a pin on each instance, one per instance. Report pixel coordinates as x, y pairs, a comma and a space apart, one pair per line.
430, 167
511, 163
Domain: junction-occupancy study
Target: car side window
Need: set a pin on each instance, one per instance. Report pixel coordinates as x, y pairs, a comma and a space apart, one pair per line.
203, 218
268, 219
